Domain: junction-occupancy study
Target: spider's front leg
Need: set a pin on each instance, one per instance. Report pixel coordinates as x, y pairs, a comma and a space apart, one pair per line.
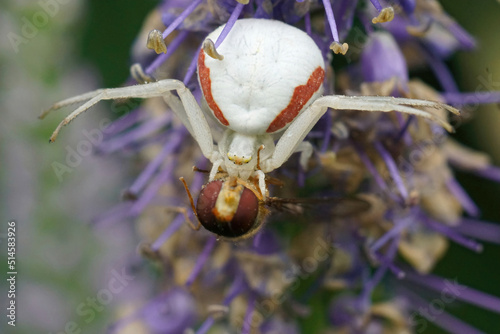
387, 104
187, 108
292, 139
294, 135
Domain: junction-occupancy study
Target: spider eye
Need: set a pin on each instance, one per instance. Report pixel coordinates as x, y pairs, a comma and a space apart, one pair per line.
227, 210
239, 160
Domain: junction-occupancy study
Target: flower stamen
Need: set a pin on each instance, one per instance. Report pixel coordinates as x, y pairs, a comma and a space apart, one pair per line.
156, 41
385, 15
336, 46
209, 48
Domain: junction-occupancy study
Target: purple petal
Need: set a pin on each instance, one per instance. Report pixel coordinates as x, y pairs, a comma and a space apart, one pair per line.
472, 99
171, 313
451, 289
370, 285
479, 230
442, 319
181, 17
453, 234
459, 193
230, 23
440, 70
202, 259
171, 145
169, 231
237, 288
153, 188
393, 169
247, 322
376, 175
139, 133
377, 5
399, 226
331, 20
382, 59
408, 5
115, 214
266, 243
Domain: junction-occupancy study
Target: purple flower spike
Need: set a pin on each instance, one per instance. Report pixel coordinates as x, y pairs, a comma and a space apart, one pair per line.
389, 168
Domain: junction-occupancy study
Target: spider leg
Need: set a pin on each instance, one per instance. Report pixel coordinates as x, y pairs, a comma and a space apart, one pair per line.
386, 104
293, 136
187, 108
306, 150
70, 101
409, 102
176, 105
215, 169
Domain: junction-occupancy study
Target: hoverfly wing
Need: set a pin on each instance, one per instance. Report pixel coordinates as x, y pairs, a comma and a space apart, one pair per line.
332, 206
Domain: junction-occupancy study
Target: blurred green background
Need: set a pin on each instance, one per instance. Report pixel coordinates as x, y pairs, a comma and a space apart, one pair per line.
86, 45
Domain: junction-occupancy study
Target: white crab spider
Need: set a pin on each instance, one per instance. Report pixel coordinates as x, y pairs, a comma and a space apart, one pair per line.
267, 85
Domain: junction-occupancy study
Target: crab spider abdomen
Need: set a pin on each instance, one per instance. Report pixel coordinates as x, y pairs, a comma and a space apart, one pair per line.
269, 74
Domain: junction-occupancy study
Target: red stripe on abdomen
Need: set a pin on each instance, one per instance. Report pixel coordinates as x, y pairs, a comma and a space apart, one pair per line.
301, 95
206, 87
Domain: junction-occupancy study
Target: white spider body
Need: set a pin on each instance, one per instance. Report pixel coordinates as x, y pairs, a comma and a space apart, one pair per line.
261, 70
270, 80
270, 86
